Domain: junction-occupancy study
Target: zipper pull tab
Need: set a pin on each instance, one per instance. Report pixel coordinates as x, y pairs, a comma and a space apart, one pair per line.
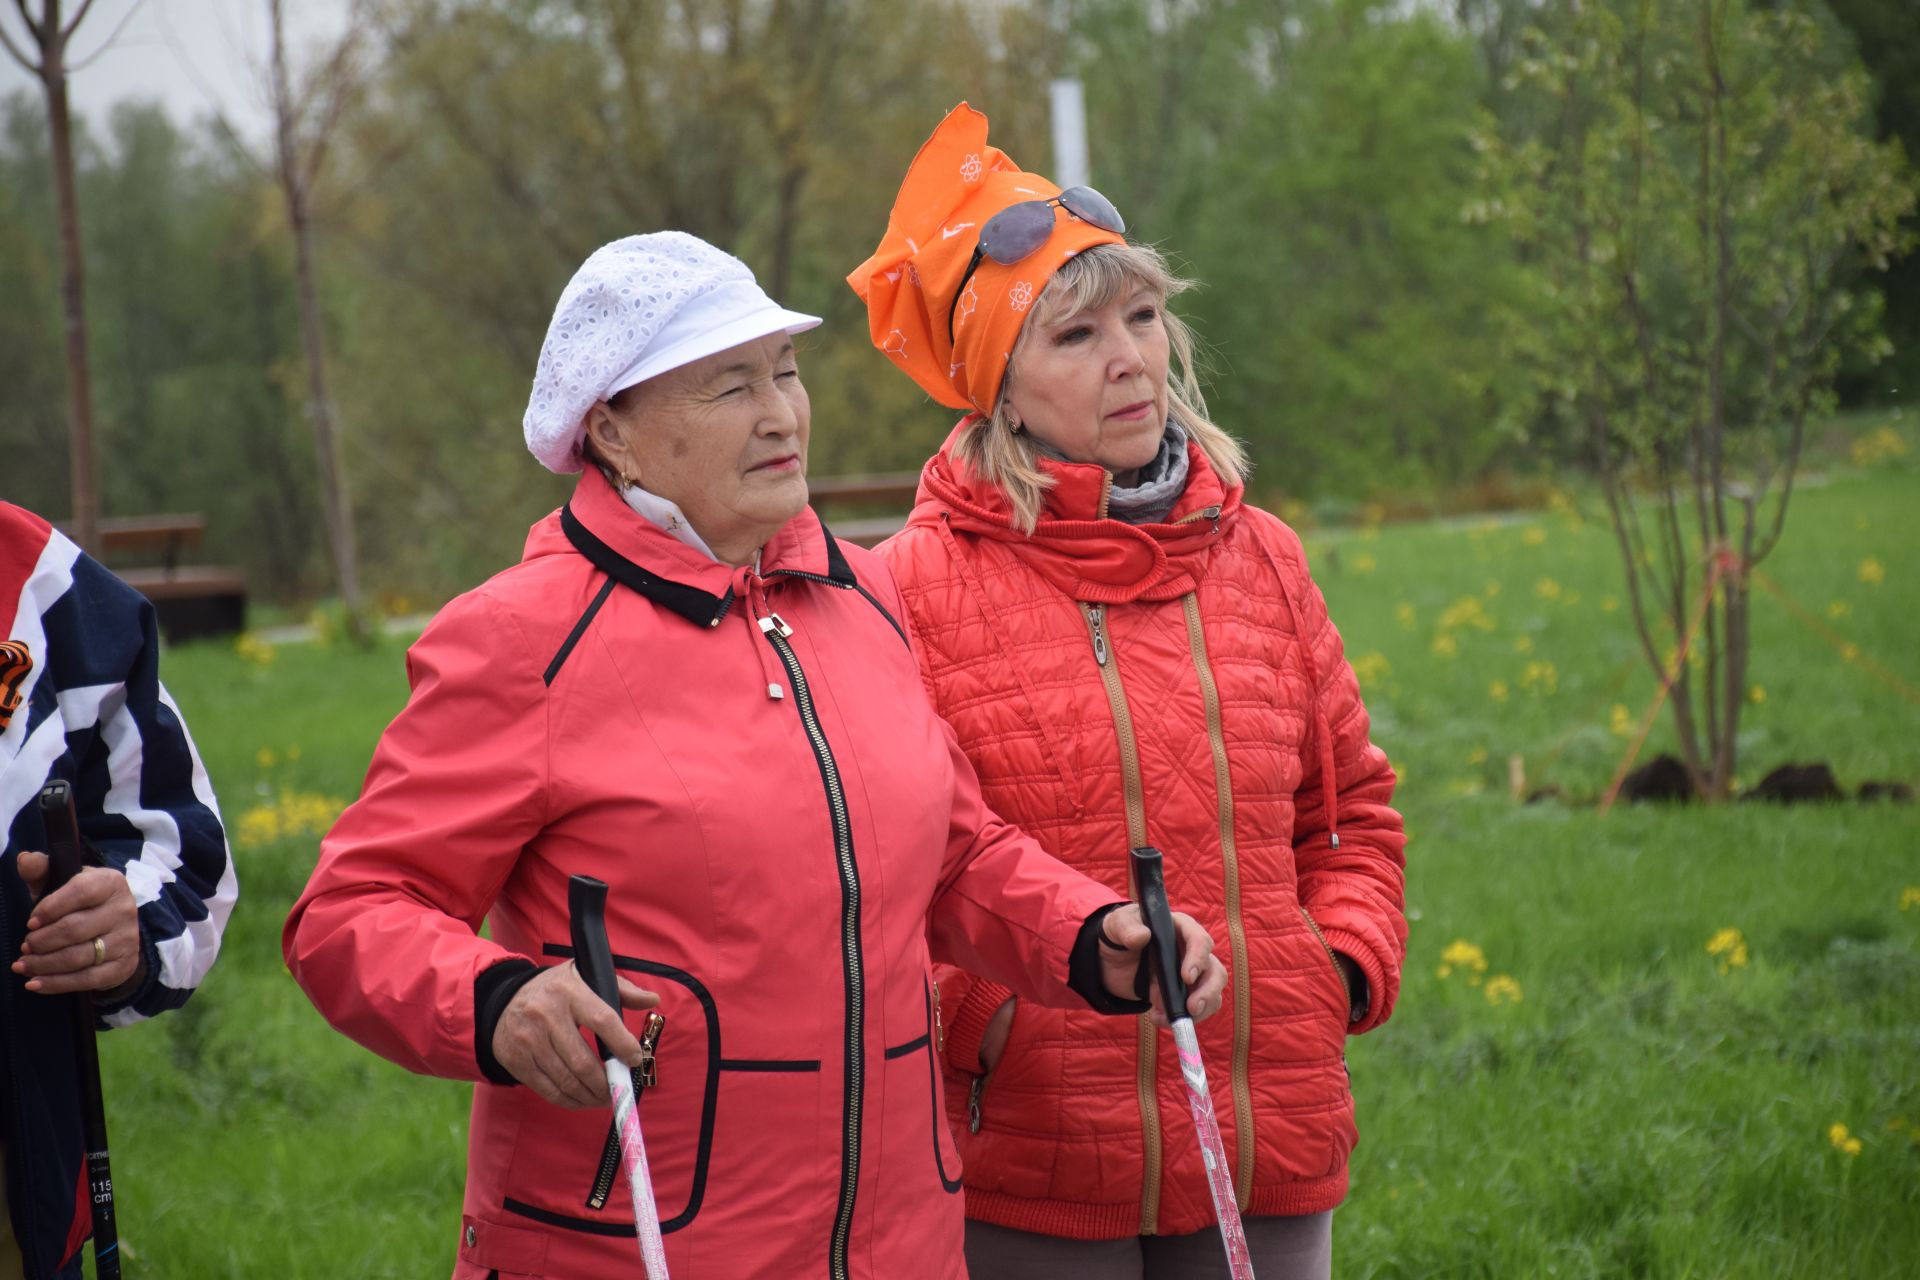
973, 1104
649, 1047
774, 624
1096, 618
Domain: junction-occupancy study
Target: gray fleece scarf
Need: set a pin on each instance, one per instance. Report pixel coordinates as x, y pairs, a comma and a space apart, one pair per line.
1150, 498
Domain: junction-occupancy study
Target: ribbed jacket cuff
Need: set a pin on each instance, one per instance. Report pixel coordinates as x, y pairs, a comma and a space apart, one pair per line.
1355, 949
493, 989
969, 1024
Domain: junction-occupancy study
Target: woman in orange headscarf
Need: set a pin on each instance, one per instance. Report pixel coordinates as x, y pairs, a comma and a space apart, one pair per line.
1130, 655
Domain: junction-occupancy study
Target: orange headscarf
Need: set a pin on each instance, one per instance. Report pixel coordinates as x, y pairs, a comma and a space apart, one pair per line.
953, 186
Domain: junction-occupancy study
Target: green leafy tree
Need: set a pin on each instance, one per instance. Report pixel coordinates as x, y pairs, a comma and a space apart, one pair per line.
1691, 222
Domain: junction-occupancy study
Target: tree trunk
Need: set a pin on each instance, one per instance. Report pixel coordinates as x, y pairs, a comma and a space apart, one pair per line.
335, 502
86, 494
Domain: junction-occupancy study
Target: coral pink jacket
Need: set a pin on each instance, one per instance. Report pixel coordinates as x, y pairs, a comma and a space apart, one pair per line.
1177, 684
749, 760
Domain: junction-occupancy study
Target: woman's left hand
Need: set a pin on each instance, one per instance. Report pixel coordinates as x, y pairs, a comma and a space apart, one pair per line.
59, 953
1200, 969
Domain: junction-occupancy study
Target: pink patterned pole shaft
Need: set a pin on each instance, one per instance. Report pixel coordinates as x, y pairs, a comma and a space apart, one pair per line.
633, 1156
1213, 1151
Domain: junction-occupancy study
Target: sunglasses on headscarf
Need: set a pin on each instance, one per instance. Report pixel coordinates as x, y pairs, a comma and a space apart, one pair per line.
1019, 229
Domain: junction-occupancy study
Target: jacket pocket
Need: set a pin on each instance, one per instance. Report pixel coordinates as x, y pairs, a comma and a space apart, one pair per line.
946, 1157
1339, 974
599, 1182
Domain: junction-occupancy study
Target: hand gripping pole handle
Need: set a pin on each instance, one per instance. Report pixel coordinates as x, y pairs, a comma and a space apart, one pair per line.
587, 918
1163, 951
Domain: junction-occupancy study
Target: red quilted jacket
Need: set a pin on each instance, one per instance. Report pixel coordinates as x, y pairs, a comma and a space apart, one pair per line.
1179, 685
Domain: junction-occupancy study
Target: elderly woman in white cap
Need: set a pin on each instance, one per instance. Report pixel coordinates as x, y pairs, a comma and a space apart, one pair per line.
689, 690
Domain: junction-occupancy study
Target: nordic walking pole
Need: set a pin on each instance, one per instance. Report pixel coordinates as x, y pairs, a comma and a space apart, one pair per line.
1163, 952
63, 858
587, 907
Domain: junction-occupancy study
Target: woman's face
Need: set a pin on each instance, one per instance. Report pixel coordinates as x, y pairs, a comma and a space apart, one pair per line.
723, 438
1093, 384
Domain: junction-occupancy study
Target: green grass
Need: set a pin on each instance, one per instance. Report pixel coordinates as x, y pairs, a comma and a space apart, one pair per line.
1636, 1112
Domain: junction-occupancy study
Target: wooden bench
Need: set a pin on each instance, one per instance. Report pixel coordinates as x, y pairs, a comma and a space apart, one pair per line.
190, 600
837, 495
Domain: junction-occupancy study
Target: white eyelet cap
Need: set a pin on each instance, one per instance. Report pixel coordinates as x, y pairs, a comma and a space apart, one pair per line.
635, 309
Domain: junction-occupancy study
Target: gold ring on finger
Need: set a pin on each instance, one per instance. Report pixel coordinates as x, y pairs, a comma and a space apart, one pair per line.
99, 950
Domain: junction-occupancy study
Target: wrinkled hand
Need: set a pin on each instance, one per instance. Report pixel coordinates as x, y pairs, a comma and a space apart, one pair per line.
57, 955
1200, 969
539, 1040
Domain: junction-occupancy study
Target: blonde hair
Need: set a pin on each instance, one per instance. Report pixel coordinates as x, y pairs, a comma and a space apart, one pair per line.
994, 450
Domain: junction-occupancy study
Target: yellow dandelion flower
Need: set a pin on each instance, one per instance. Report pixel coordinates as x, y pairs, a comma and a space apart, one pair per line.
1620, 720
1910, 897
1843, 1140
1540, 678
293, 814
1445, 645
1608, 604
1547, 589
1729, 946
1479, 756
1757, 694
1444, 971
1523, 644
1404, 613
1365, 563
1371, 668
1502, 989
1838, 608
1849, 651
1872, 572
1497, 691
254, 651
1461, 954
1467, 611
265, 758
1534, 536
1492, 588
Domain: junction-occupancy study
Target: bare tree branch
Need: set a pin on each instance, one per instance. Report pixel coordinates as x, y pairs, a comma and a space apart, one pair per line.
19, 56
79, 16
112, 36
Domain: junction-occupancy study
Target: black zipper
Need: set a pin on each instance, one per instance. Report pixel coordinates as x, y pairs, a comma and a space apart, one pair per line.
776, 631
648, 1074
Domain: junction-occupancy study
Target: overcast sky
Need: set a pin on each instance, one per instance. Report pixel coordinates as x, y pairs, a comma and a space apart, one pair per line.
192, 56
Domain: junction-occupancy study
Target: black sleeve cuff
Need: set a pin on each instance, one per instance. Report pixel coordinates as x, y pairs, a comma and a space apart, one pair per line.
493, 988
1359, 994
1083, 969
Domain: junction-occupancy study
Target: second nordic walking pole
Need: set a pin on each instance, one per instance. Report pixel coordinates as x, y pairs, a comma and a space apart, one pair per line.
1164, 956
587, 907
63, 864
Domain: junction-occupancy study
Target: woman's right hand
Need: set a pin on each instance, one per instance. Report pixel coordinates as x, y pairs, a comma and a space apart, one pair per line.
993, 1041
538, 1037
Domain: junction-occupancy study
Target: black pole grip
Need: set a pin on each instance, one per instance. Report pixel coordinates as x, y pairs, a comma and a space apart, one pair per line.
63, 833
1163, 952
587, 917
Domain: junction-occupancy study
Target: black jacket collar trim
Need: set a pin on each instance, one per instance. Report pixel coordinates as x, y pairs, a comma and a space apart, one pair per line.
701, 608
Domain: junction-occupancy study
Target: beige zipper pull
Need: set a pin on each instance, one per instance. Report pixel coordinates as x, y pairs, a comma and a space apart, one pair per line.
939, 1032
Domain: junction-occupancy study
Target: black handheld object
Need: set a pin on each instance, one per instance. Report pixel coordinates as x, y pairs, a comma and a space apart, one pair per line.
587, 917
1163, 952
64, 861
57, 815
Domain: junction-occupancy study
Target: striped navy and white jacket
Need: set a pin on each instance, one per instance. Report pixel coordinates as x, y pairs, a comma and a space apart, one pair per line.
81, 699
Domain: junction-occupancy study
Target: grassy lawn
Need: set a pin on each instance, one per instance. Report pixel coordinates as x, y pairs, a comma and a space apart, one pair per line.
1573, 1085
